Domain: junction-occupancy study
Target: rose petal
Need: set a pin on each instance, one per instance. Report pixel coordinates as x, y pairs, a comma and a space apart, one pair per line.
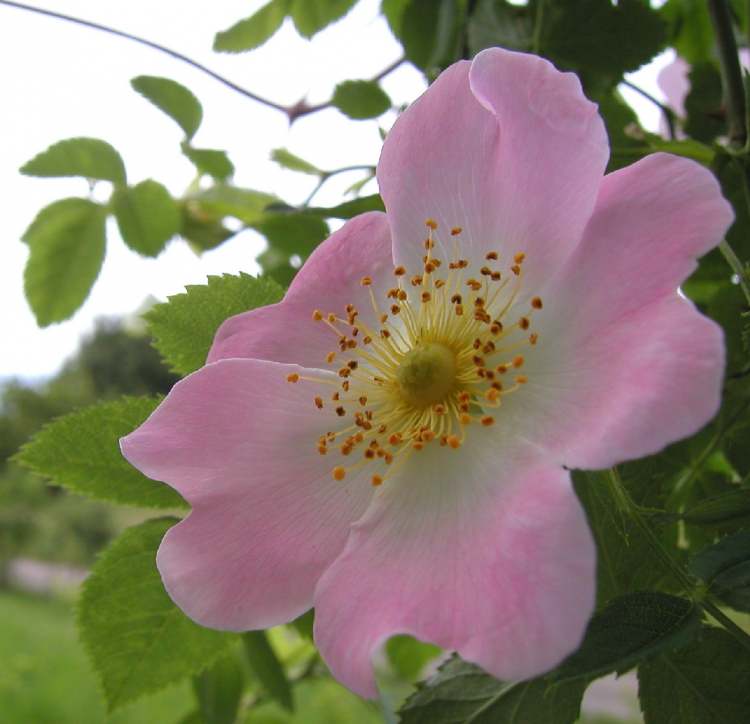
508, 149
496, 563
329, 280
239, 443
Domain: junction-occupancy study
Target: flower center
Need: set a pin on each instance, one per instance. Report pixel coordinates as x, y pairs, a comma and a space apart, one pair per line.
427, 374
442, 353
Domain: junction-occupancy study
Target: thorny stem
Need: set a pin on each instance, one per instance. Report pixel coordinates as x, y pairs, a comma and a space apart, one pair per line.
628, 506
731, 71
301, 108
325, 175
667, 112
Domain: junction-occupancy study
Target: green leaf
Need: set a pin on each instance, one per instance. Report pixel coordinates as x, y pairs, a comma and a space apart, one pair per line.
731, 506
704, 105
349, 208
408, 656
461, 693
393, 10
138, 640
88, 157
294, 163
219, 691
81, 452
183, 328
67, 242
293, 233
311, 16
625, 561
267, 667
725, 567
690, 31
429, 32
628, 630
496, 22
202, 231
360, 99
583, 34
303, 624
210, 161
147, 216
223, 200
703, 683
173, 99
252, 32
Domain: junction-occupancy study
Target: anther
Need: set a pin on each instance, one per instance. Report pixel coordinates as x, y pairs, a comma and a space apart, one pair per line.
319, 403
426, 297
516, 269
431, 224
488, 420
491, 256
533, 338
399, 271
536, 302
456, 299
518, 258
453, 442
339, 473
523, 323
317, 315
377, 480
330, 357
366, 281
518, 361
456, 230
522, 379
340, 411
293, 377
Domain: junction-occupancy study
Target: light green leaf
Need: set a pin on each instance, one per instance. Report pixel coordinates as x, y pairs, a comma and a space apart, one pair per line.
223, 200
349, 208
311, 16
703, 683
267, 667
183, 328
360, 99
81, 452
173, 99
461, 693
210, 161
393, 10
628, 630
294, 163
67, 242
202, 231
147, 216
87, 157
408, 656
252, 32
219, 691
497, 22
138, 640
293, 233
725, 567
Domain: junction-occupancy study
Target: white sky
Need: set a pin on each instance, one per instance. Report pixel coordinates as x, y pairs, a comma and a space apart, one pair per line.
61, 81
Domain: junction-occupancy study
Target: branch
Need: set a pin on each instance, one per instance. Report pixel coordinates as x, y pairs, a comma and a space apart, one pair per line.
666, 110
292, 112
731, 73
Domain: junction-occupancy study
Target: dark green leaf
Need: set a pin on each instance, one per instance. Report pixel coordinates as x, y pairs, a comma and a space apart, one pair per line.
88, 157
268, 669
148, 217
628, 630
461, 693
360, 99
311, 16
210, 161
219, 691
173, 99
67, 242
429, 32
393, 10
725, 567
294, 163
222, 200
497, 22
702, 683
253, 31
81, 452
625, 561
408, 656
183, 328
706, 117
690, 30
138, 640
349, 208
583, 35
276, 265
304, 624
731, 506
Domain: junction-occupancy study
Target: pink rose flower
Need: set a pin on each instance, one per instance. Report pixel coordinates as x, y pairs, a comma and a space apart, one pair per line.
390, 443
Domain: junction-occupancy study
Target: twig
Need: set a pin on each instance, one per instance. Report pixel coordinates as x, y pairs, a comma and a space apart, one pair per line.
667, 112
325, 175
292, 112
731, 72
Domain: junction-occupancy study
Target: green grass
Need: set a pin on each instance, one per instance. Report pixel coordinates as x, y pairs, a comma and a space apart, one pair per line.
45, 676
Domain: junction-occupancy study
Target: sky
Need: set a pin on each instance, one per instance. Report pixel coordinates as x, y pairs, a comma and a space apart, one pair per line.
69, 81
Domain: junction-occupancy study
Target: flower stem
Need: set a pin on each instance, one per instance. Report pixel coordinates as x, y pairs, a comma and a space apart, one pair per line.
731, 71
667, 112
628, 506
734, 262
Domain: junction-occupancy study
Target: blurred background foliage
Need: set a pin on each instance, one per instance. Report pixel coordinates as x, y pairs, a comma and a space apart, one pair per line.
689, 497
